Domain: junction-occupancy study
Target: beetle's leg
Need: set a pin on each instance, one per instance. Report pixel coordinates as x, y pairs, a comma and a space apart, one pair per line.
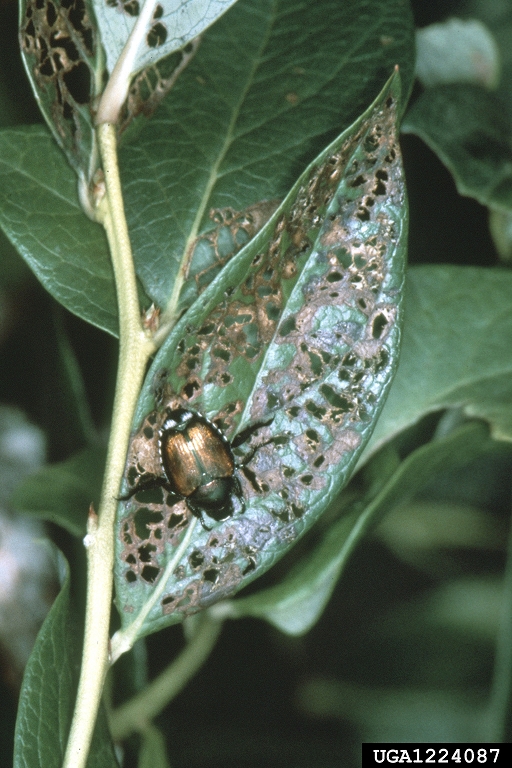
246, 433
199, 514
144, 485
256, 448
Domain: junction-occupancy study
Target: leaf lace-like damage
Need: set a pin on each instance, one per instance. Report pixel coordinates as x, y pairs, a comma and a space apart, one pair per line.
233, 230
59, 42
312, 333
150, 86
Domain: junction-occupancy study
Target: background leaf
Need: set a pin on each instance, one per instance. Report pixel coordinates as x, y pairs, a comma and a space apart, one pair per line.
62, 493
304, 348
48, 694
456, 350
469, 130
457, 51
41, 214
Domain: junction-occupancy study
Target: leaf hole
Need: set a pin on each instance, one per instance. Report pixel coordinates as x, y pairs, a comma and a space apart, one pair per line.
313, 435
126, 536
382, 360
149, 573
157, 35
316, 364
380, 187
132, 8
250, 567
46, 68
196, 559
143, 518
211, 575
130, 577
316, 410
175, 520
190, 389
169, 599
51, 14
358, 181
149, 496
288, 326
335, 399
379, 325
146, 552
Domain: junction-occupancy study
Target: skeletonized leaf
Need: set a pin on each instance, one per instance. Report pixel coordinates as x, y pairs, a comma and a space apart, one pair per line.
171, 25
292, 349
63, 60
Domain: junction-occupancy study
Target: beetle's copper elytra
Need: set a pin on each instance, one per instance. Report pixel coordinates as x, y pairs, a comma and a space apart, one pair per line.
198, 466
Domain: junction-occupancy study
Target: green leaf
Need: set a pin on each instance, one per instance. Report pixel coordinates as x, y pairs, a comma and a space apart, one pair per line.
171, 26
63, 61
469, 130
48, 692
272, 83
296, 604
296, 361
41, 214
456, 350
62, 493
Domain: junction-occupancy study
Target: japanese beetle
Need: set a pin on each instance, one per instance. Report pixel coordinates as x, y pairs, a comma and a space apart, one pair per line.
198, 465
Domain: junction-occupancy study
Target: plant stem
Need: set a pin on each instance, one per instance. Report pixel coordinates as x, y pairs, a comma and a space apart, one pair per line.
136, 713
134, 352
